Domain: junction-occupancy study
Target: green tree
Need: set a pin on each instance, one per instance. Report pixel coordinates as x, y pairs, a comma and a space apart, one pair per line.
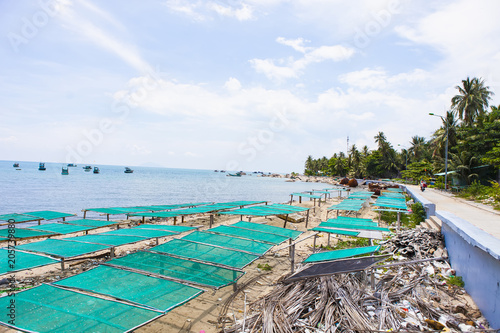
417, 147
463, 163
472, 100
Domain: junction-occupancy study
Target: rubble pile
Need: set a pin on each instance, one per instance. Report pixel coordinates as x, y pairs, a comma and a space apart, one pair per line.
405, 296
417, 243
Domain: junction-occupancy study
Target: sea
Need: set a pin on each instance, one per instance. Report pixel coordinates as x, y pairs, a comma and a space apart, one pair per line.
29, 189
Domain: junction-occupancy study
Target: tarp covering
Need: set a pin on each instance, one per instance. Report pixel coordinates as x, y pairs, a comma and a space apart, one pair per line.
206, 253
335, 267
62, 248
91, 223
235, 243
340, 254
48, 214
185, 270
21, 260
149, 233
249, 234
51, 309
24, 233
159, 294
268, 228
60, 228
111, 240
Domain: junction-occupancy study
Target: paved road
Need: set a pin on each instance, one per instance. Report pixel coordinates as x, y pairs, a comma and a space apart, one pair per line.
482, 216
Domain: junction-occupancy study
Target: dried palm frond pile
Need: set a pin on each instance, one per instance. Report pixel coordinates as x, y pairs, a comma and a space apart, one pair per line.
409, 297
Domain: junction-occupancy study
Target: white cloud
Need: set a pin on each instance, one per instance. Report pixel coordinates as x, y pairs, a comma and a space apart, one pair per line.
294, 68
378, 78
232, 84
74, 19
203, 10
243, 13
297, 44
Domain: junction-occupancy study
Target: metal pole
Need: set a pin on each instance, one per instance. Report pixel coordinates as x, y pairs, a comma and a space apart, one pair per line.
446, 159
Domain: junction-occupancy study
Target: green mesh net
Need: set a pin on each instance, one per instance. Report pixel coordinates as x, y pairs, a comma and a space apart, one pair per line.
336, 231
159, 294
268, 228
249, 234
62, 248
12, 261
340, 254
234, 243
60, 228
48, 214
111, 240
50, 309
91, 223
24, 233
206, 253
181, 269
171, 228
351, 226
148, 233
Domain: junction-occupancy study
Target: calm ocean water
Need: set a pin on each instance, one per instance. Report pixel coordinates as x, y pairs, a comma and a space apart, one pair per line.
30, 190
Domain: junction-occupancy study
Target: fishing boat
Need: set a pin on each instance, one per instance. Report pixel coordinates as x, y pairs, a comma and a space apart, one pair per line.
238, 174
96, 170
64, 171
87, 168
71, 165
41, 167
128, 170
16, 165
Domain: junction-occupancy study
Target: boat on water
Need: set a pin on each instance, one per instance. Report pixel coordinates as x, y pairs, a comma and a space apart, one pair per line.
238, 174
87, 168
128, 170
64, 171
71, 165
96, 170
16, 165
41, 167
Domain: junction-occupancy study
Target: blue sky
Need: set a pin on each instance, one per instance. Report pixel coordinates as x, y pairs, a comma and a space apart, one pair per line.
236, 85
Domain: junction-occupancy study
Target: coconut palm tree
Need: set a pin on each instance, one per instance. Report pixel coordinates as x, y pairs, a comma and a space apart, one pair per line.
381, 140
463, 163
472, 100
417, 147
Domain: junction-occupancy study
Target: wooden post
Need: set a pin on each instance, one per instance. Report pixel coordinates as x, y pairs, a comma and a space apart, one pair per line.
291, 199
107, 217
211, 220
329, 239
143, 219
286, 220
300, 199
175, 220
157, 241
399, 222
182, 219
314, 202
372, 278
307, 218
86, 232
39, 222
292, 257
84, 214
62, 264
64, 219
112, 252
235, 285
249, 219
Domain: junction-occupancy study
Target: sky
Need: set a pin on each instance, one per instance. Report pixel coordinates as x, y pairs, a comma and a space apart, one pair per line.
235, 85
